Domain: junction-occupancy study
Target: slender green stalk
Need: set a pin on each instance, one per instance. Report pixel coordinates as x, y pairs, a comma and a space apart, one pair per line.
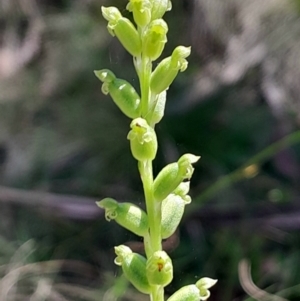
145, 82
146, 172
152, 242
153, 207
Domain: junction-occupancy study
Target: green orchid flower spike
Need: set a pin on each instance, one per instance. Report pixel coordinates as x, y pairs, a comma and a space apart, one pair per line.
165, 194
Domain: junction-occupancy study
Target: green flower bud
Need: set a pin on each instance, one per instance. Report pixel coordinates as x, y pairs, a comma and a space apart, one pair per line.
143, 141
159, 269
166, 71
122, 93
127, 215
172, 175
159, 7
158, 108
134, 268
194, 292
141, 10
123, 29
172, 209
155, 39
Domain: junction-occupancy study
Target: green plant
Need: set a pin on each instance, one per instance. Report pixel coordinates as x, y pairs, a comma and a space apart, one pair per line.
167, 194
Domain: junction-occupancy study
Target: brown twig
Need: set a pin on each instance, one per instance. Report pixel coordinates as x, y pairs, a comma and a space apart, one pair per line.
70, 206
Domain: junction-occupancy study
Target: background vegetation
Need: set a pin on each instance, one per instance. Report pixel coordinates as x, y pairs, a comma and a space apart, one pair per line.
63, 146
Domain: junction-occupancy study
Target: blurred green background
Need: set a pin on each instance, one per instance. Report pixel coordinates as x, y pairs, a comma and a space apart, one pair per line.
63, 146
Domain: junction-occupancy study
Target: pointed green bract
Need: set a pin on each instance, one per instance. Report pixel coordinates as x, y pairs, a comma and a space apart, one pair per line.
158, 108
172, 209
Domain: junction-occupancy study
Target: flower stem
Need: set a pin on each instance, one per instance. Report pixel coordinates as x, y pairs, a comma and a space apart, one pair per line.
153, 207
154, 219
145, 86
152, 242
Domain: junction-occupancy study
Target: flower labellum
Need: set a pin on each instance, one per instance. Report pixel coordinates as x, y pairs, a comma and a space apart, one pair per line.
159, 269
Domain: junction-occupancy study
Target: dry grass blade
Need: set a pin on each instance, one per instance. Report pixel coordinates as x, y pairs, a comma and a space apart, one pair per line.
250, 288
43, 289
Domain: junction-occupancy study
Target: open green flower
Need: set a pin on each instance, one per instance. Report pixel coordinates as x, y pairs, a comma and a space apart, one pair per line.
159, 269
143, 141
155, 39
